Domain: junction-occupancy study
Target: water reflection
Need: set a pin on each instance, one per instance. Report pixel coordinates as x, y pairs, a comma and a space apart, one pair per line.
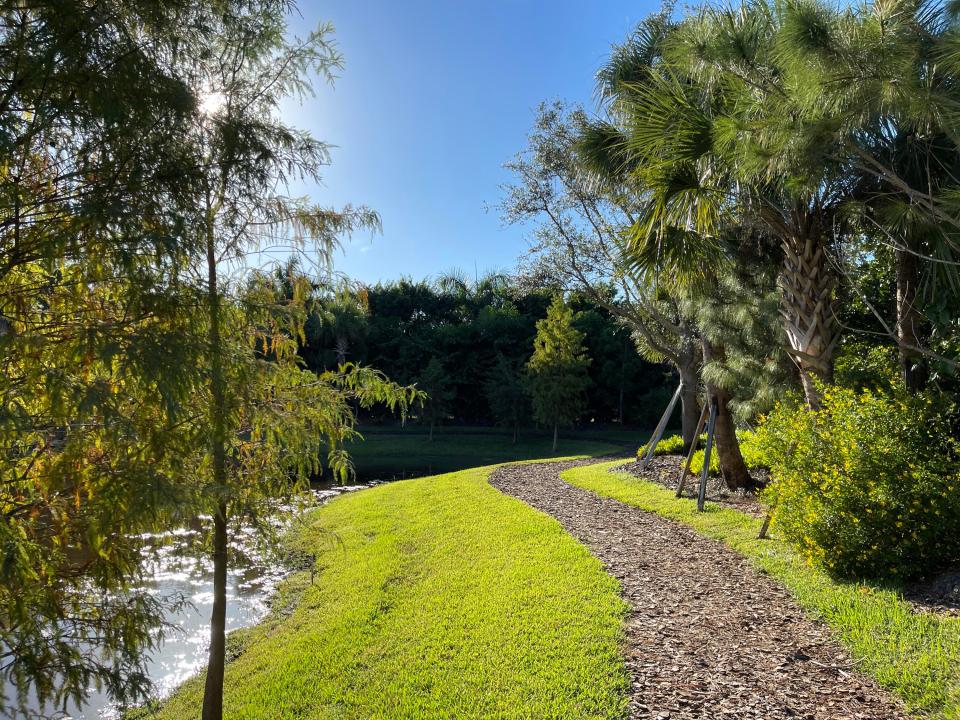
175, 570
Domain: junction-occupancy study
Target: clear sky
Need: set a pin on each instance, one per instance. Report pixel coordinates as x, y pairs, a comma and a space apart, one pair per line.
434, 98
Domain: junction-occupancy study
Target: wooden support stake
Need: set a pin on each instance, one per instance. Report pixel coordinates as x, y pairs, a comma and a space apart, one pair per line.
693, 449
762, 535
711, 427
661, 426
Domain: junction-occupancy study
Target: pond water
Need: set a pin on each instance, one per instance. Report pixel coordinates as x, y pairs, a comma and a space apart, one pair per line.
174, 571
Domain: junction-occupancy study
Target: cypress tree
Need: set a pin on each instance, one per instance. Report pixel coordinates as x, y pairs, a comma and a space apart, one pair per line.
558, 369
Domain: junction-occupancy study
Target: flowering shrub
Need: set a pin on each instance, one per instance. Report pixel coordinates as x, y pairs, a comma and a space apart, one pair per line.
869, 486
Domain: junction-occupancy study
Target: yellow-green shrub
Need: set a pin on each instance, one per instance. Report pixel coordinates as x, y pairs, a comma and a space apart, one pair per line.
671, 445
869, 486
696, 462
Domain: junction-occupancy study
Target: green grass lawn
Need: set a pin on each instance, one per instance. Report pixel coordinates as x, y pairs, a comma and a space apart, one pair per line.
396, 452
914, 654
434, 598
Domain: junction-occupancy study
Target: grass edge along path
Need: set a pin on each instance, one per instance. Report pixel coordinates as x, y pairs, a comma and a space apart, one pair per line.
433, 597
916, 655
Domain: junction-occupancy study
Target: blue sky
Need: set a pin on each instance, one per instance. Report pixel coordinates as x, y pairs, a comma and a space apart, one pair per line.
434, 98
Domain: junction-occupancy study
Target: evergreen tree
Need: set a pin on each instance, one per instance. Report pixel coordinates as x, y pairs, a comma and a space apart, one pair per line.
506, 393
435, 381
558, 369
662, 129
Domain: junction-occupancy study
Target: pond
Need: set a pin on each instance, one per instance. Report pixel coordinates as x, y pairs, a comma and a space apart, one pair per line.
174, 571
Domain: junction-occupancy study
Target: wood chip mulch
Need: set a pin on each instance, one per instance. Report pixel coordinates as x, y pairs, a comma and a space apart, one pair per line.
708, 636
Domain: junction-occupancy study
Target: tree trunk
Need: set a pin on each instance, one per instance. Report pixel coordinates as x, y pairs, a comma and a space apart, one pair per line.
516, 431
912, 368
807, 286
213, 689
689, 369
431, 430
555, 437
732, 467
623, 380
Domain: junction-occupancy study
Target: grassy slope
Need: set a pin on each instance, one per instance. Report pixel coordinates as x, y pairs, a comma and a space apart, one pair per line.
408, 451
436, 597
916, 655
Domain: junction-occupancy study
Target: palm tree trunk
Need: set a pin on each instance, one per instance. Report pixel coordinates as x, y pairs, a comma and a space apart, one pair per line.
431, 430
554, 437
213, 689
807, 285
912, 370
516, 431
732, 467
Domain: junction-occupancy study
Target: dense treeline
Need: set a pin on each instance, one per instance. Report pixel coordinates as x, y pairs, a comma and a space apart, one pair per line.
771, 190
472, 330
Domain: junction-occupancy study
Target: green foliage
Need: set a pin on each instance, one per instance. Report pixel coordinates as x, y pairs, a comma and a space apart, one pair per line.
558, 368
435, 381
670, 445
266, 420
399, 326
869, 486
142, 388
915, 654
576, 247
506, 391
739, 314
753, 454
421, 575
696, 462
864, 366
96, 396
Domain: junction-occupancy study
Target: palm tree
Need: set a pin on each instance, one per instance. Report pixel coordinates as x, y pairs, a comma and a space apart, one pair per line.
877, 91
343, 318
696, 133
619, 151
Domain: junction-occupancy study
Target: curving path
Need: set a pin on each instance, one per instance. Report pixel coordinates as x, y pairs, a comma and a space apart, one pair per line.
708, 635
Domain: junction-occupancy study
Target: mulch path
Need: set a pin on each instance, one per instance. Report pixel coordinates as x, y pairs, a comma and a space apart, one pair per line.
708, 636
